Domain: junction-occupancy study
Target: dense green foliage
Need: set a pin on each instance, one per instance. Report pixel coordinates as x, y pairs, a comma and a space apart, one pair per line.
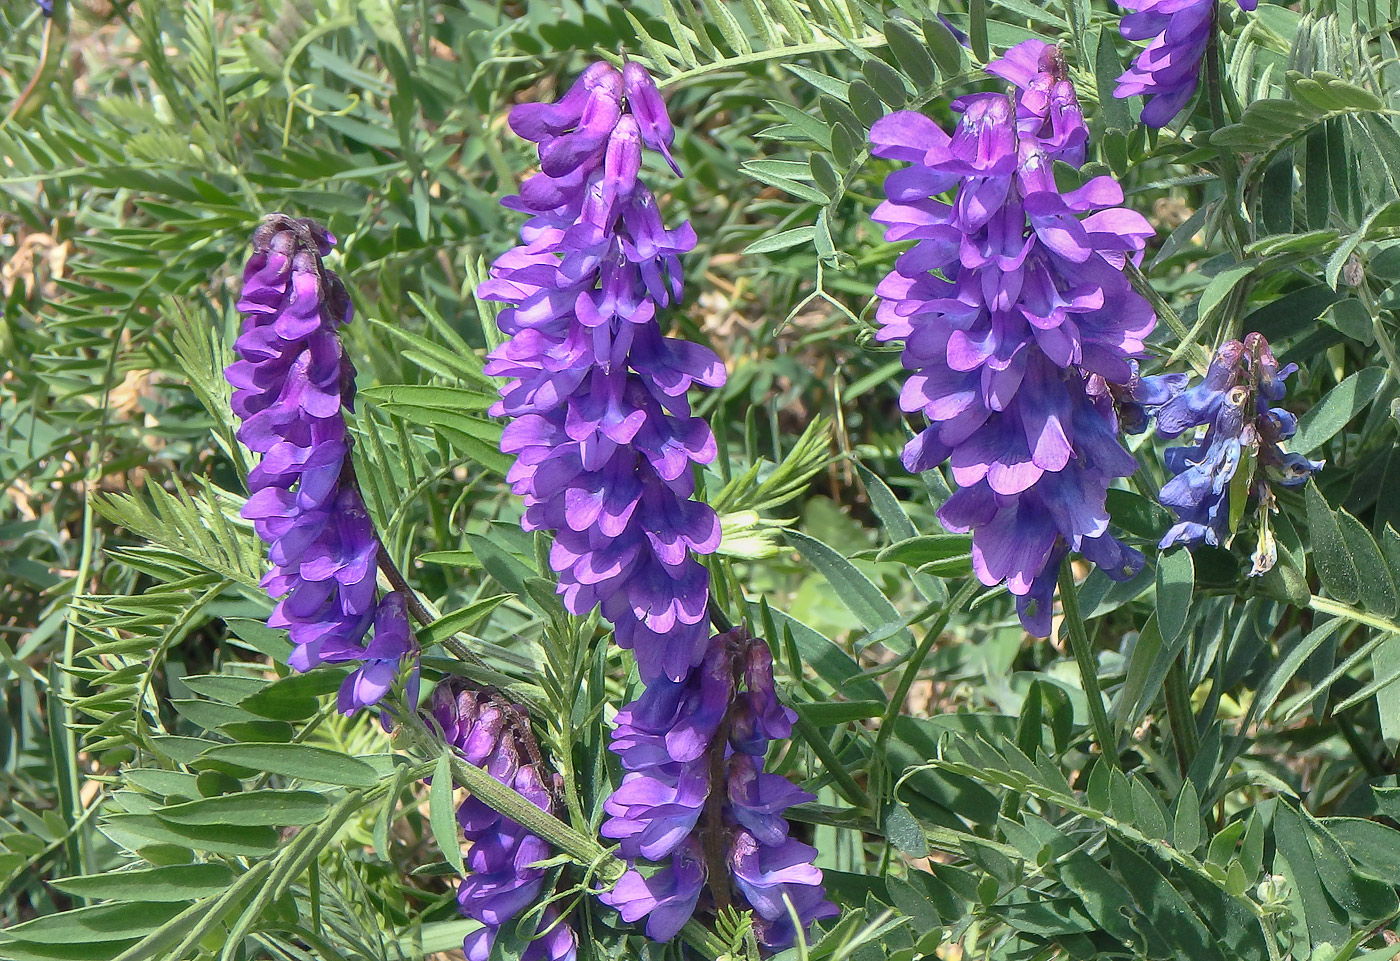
200, 801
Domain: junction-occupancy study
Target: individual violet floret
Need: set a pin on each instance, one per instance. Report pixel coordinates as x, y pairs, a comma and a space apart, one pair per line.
600, 423
1234, 404
1167, 72
292, 385
504, 859
1137, 400
1013, 310
716, 844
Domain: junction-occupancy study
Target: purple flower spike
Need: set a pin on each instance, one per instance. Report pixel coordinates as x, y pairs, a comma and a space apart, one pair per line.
672, 741
505, 877
292, 385
600, 424
1233, 405
1016, 320
1168, 71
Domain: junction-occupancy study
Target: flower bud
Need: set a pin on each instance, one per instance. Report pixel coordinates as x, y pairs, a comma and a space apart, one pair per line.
645, 102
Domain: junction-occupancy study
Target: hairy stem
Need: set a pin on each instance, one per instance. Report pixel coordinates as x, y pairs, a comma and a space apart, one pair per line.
916, 662
1179, 715
508, 801
1088, 668
1239, 232
1199, 357
31, 99
852, 791
1328, 606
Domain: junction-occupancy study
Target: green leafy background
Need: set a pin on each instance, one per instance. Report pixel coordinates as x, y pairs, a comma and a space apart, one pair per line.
169, 790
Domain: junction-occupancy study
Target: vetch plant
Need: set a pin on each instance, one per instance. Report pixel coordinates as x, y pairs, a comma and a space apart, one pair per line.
1238, 455
506, 879
1168, 70
696, 799
1126, 350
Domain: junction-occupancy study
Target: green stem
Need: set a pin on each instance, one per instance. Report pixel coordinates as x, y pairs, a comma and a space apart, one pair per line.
777, 53
1088, 668
63, 718
1383, 341
512, 803
1387, 346
1179, 715
36, 92
1362, 752
809, 733
1328, 606
939, 838
916, 662
1199, 357
78, 848
1228, 168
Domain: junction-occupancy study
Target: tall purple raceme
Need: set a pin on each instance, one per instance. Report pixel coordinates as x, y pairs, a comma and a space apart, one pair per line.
696, 815
1234, 403
1011, 298
600, 421
505, 877
292, 385
1168, 70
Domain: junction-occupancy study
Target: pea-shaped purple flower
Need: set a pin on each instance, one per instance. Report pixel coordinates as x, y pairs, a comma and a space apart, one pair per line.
1168, 71
1234, 403
505, 877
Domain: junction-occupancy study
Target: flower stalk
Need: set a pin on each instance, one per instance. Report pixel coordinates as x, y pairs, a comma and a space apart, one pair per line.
1088, 666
